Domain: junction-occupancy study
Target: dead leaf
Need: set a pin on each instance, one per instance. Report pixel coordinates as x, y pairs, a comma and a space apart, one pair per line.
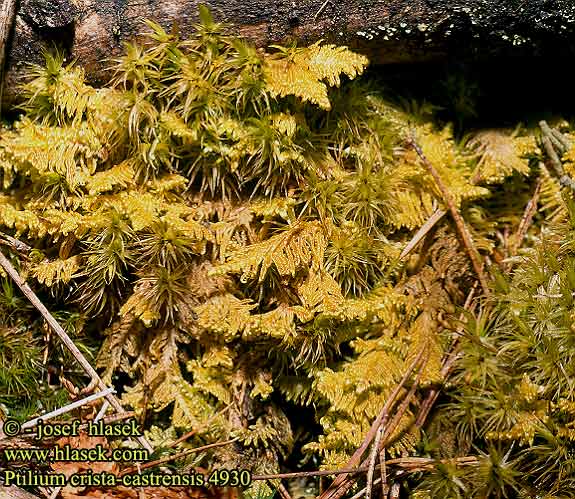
68, 468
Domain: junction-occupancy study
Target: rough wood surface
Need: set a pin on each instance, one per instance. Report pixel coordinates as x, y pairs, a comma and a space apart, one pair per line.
7, 12
386, 30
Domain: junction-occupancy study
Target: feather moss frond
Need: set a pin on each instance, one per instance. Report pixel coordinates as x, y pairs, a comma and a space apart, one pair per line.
160, 293
450, 163
211, 210
56, 271
551, 197
500, 154
55, 91
162, 373
121, 175
302, 71
298, 247
226, 315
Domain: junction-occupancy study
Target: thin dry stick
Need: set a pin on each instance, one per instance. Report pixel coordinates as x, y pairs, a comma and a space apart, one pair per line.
284, 492
7, 14
362, 492
67, 408
413, 464
433, 394
367, 465
372, 461
53, 323
383, 472
342, 484
15, 244
457, 218
168, 459
102, 411
527, 219
436, 216
447, 365
324, 5
384, 414
402, 408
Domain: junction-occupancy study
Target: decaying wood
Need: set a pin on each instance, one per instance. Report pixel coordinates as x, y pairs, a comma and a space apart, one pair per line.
388, 31
7, 13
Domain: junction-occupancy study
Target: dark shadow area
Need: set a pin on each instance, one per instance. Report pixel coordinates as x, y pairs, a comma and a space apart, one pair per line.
500, 92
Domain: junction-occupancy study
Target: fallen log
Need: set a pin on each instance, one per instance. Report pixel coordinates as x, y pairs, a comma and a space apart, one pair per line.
388, 31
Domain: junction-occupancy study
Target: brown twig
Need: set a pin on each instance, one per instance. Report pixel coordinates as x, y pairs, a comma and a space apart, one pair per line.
283, 492
436, 216
67, 408
447, 365
383, 473
173, 457
553, 157
433, 394
372, 461
15, 244
412, 464
402, 408
7, 14
387, 434
342, 484
53, 323
526, 219
457, 218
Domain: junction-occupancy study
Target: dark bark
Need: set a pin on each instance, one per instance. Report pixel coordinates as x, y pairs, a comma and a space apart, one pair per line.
92, 31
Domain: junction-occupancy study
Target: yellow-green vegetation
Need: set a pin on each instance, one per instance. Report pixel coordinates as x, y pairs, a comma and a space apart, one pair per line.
229, 222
